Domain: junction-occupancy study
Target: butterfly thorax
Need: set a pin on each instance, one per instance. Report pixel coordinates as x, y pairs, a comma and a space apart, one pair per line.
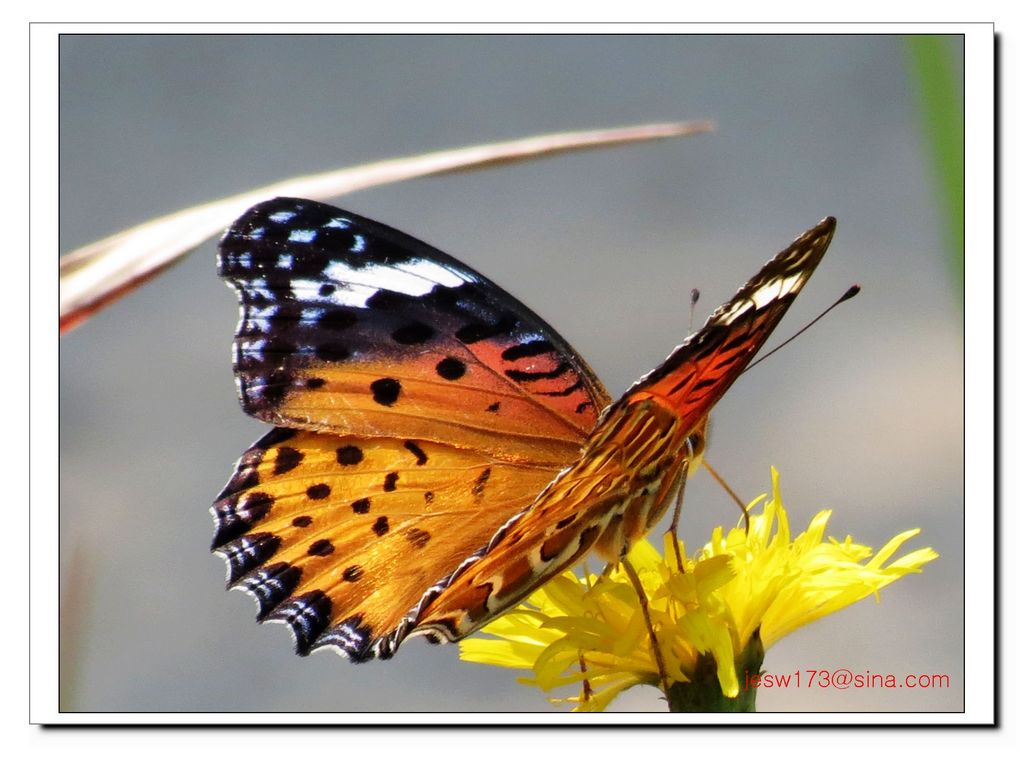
648, 448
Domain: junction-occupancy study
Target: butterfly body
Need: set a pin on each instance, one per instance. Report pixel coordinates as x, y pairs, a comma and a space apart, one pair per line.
440, 451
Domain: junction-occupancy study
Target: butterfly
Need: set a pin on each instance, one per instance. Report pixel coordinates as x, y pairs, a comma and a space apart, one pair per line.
438, 450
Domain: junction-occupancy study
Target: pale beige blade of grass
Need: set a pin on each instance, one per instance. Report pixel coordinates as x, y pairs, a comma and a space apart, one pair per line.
99, 273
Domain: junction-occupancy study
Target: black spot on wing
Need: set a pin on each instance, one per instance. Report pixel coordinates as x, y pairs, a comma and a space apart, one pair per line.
385, 390
415, 333
321, 548
349, 455
418, 537
287, 459
338, 319
332, 352
520, 375
417, 452
578, 385
450, 368
318, 492
527, 349
477, 331
481, 482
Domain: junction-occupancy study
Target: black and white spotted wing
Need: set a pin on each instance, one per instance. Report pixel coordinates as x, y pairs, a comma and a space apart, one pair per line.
350, 326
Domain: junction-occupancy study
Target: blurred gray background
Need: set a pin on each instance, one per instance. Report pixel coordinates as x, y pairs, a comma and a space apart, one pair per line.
863, 415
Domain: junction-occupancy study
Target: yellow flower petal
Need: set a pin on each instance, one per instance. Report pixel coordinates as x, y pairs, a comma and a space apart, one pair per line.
742, 589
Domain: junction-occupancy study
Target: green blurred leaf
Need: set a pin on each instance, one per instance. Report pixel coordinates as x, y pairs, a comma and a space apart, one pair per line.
940, 101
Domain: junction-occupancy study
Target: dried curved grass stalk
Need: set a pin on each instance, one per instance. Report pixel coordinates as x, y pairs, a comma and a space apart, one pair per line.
99, 273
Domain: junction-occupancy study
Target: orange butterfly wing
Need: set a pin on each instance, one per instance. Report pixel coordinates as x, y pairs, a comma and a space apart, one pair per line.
421, 408
340, 536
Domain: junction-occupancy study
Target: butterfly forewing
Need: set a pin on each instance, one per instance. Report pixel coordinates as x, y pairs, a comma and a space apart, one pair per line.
349, 326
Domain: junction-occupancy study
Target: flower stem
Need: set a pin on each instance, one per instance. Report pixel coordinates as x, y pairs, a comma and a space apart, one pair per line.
704, 693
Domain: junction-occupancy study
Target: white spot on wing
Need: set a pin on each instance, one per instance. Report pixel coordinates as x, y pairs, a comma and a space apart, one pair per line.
281, 216
252, 347
380, 277
302, 236
352, 296
433, 272
777, 289
339, 223
355, 285
738, 308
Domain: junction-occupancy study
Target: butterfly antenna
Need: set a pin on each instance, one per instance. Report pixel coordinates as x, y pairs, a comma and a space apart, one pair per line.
728, 490
634, 578
694, 298
852, 292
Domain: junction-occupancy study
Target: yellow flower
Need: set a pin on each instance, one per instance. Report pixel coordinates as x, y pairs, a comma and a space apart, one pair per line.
737, 596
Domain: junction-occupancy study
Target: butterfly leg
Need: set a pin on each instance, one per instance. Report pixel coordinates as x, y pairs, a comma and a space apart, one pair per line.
733, 495
674, 527
634, 578
587, 692
694, 446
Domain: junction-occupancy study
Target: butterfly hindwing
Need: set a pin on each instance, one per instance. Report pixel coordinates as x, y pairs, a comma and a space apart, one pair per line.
349, 326
340, 536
